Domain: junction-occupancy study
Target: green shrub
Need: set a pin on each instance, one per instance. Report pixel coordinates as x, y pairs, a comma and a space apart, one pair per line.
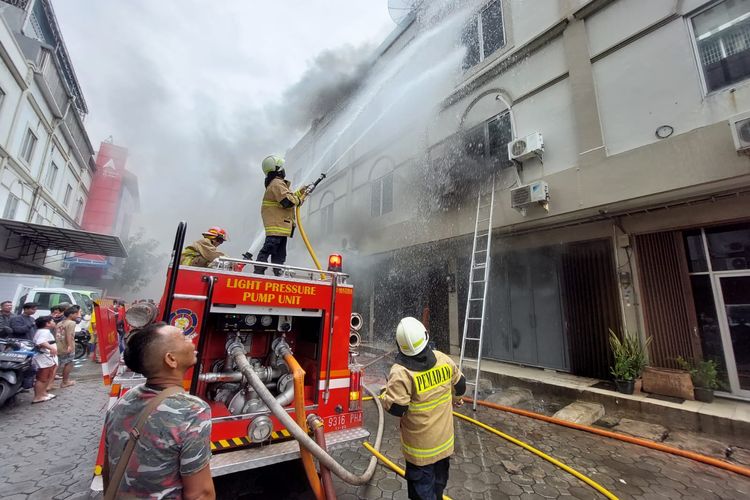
630, 356
703, 373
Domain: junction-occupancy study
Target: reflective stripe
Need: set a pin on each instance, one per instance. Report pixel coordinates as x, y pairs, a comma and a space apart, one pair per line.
271, 203
279, 229
427, 453
431, 404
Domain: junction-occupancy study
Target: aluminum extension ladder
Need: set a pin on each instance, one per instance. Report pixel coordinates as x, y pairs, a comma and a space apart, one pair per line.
479, 275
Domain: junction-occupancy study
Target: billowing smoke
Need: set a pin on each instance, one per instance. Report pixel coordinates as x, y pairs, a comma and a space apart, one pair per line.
331, 79
200, 95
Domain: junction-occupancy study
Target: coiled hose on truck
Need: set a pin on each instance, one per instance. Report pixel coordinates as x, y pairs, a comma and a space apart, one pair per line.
237, 351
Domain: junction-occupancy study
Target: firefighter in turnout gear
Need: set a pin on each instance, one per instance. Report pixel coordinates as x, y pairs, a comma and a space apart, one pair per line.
202, 252
277, 212
421, 388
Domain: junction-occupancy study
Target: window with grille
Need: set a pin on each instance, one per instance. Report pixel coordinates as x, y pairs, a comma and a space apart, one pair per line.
51, 177
68, 192
11, 206
722, 37
382, 195
28, 146
489, 141
484, 34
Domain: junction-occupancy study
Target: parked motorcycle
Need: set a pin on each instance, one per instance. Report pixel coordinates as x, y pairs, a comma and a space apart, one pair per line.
15, 367
82, 338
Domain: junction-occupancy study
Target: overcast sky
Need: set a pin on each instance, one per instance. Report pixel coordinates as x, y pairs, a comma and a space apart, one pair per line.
200, 91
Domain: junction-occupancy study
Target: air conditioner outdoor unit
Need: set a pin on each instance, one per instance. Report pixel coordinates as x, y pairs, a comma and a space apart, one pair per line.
740, 126
536, 192
526, 147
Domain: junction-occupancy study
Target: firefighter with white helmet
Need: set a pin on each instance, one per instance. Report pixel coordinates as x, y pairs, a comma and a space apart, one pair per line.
277, 212
422, 386
202, 252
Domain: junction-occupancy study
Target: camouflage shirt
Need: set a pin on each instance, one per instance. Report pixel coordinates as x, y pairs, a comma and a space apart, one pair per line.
175, 442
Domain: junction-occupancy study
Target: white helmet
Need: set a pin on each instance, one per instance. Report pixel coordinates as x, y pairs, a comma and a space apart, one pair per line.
411, 336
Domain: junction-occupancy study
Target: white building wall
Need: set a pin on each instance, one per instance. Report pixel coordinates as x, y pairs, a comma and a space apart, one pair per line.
24, 108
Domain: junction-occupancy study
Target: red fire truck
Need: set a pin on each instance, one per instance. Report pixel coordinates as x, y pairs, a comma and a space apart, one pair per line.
308, 310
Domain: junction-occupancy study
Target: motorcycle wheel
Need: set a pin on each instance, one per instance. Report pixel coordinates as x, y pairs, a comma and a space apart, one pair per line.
6, 391
80, 351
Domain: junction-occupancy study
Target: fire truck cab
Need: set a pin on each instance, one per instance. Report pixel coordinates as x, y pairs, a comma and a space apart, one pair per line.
308, 310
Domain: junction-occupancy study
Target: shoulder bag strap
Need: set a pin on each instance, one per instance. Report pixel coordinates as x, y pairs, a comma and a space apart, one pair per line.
135, 434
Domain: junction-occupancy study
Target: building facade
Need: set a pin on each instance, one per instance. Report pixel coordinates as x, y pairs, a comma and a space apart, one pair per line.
647, 228
46, 158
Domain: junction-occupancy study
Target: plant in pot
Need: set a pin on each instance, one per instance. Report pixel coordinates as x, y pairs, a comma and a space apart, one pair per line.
630, 360
704, 375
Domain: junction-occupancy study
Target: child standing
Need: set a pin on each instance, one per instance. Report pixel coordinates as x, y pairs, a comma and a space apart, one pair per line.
45, 360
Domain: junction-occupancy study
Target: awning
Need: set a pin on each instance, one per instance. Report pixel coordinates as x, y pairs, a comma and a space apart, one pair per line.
60, 238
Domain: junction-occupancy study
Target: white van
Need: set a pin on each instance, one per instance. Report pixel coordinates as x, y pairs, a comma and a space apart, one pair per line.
47, 298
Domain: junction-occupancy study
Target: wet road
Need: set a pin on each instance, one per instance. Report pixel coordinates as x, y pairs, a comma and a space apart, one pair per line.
48, 451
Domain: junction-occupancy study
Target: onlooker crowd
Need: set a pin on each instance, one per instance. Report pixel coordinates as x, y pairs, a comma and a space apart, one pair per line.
54, 338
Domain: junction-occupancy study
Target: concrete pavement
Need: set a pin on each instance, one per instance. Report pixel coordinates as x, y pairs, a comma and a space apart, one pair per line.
48, 451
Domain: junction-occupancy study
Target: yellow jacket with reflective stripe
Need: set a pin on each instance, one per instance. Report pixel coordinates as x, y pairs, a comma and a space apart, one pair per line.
277, 220
199, 253
427, 426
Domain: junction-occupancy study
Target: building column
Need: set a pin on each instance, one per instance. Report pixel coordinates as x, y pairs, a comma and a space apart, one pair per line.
585, 108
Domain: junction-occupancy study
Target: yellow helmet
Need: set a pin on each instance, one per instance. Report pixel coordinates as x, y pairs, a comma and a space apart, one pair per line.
272, 163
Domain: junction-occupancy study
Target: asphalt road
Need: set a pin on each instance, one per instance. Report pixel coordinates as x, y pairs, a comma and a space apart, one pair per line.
48, 451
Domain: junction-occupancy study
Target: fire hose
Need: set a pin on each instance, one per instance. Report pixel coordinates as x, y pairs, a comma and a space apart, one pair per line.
308, 192
533, 450
237, 351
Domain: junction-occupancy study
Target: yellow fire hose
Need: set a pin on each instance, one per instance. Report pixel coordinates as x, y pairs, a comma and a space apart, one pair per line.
541, 454
395, 468
307, 241
515, 441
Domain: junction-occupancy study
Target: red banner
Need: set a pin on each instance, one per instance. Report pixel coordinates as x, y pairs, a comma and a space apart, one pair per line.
108, 341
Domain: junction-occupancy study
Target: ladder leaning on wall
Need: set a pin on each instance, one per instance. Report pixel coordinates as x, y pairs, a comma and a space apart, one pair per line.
479, 279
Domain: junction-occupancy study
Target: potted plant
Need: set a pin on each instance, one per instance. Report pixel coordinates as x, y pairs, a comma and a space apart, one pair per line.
704, 375
630, 359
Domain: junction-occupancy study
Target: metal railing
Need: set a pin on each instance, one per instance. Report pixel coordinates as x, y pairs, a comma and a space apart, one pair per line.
286, 271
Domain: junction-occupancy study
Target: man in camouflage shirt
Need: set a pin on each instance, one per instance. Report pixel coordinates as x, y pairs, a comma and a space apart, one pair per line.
171, 459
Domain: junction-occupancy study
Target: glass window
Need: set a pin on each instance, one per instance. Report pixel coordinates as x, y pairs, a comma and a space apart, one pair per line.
382, 196
489, 141
695, 253
484, 34
493, 34
68, 192
500, 134
729, 247
28, 146
470, 39
11, 206
79, 210
47, 300
49, 181
326, 219
722, 34
708, 323
83, 301
736, 292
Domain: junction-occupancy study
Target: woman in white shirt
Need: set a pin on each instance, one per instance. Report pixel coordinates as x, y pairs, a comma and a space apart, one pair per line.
45, 359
